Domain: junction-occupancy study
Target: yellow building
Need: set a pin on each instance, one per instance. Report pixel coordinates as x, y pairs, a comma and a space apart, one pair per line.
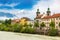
23, 20
26, 20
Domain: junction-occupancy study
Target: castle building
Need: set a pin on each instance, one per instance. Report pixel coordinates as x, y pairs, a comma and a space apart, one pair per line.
47, 18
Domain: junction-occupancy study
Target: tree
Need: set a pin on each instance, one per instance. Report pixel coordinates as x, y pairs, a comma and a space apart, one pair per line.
59, 24
6, 22
52, 24
42, 24
9, 21
30, 25
53, 32
36, 24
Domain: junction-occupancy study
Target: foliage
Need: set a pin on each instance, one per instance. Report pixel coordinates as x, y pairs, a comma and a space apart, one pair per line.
16, 27
52, 24
42, 24
53, 32
27, 30
30, 25
59, 24
25, 25
1, 21
36, 24
7, 21
7, 26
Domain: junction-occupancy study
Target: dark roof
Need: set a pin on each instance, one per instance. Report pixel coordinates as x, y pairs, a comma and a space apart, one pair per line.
28, 19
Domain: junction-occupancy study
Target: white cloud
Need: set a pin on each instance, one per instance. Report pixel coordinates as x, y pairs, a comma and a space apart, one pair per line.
12, 4
42, 5
3, 18
19, 13
54, 5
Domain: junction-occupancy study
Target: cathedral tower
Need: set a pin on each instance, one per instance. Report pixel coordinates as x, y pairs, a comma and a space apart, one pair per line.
37, 13
48, 12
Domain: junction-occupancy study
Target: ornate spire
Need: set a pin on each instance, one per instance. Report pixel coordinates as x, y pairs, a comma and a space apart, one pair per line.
37, 13
37, 10
48, 8
48, 11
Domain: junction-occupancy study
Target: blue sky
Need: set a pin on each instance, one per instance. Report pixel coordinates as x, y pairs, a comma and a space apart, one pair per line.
14, 5
26, 8
20, 4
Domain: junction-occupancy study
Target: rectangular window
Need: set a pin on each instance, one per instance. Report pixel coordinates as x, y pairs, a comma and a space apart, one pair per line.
56, 22
56, 18
59, 18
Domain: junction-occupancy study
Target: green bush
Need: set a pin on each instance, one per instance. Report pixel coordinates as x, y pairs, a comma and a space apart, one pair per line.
27, 30
2, 26
53, 32
16, 28
6, 29
22, 30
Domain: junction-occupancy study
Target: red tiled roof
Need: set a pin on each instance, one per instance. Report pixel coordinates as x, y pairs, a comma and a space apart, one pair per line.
53, 16
16, 20
47, 17
27, 19
56, 15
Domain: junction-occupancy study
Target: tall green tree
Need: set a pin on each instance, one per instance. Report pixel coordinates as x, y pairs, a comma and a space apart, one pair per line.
42, 24
30, 25
59, 24
52, 24
9, 21
6, 22
36, 24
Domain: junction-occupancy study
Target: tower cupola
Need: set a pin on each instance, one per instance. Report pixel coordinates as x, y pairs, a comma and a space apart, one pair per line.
48, 12
37, 13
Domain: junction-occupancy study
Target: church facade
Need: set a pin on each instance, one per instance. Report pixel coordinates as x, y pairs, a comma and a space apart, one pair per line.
47, 18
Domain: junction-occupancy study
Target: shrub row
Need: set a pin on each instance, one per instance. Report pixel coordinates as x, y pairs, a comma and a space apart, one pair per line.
17, 28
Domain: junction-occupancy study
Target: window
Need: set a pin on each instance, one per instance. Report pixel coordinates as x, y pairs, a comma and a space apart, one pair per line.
37, 20
59, 18
56, 22
56, 18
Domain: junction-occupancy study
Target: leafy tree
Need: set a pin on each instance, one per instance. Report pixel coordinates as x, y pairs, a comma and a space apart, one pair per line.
1, 21
36, 24
52, 24
30, 25
52, 31
28, 30
42, 24
59, 24
9, 21
6, 22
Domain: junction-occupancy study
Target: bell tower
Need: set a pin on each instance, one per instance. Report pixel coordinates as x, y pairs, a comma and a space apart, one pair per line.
37, 13
48, 12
